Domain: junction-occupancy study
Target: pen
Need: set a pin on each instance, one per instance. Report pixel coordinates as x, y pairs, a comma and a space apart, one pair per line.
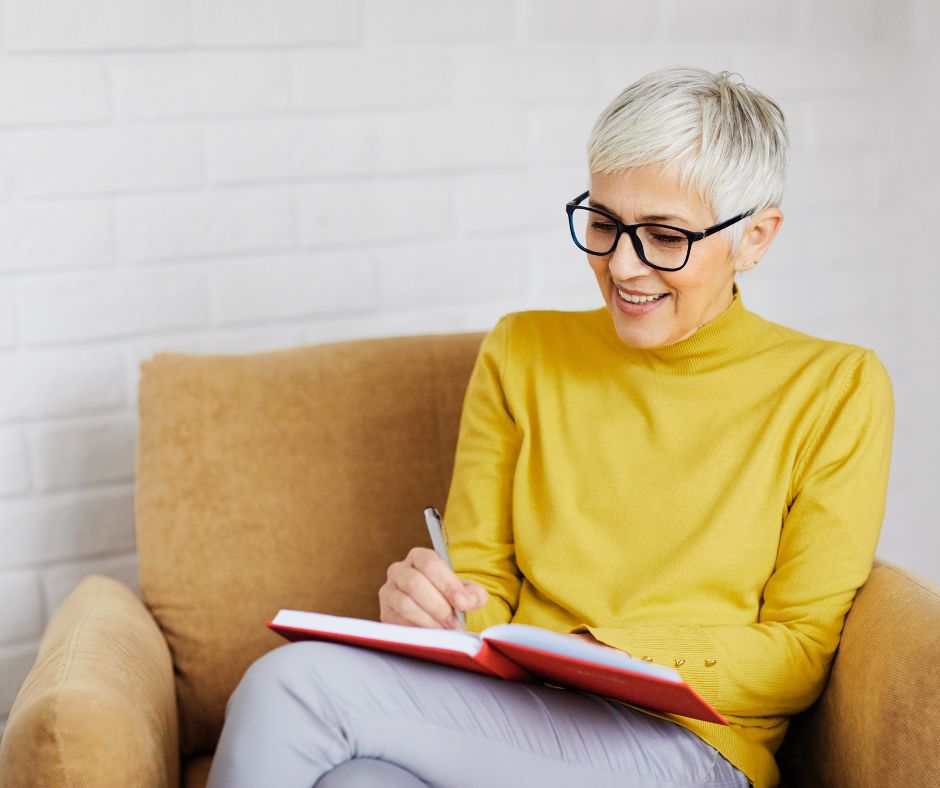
439, 539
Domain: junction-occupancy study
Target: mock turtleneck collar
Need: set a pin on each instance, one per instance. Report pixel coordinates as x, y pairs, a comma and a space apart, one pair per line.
719, 341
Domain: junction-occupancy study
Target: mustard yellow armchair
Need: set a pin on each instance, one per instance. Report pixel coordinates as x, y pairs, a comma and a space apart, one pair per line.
293, 478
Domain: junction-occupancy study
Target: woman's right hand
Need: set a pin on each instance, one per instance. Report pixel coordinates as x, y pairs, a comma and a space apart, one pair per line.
421, 591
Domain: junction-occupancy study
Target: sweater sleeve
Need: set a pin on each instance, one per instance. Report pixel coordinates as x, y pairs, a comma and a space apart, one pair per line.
778, 666
478, 512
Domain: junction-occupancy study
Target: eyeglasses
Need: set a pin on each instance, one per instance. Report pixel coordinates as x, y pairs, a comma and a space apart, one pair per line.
660, 246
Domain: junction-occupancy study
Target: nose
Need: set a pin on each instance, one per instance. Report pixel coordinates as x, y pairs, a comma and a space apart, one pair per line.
624, 262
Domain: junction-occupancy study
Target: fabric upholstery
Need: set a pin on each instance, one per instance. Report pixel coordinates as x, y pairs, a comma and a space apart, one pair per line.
284, 479
196, 771
878, 720
98, 707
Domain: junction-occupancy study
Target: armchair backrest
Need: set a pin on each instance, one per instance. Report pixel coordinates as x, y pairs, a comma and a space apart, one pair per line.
284, 479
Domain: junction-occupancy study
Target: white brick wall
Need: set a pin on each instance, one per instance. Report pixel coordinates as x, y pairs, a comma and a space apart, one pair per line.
105, 158
56, 234
242, 175
7, 318
389, 77
61, 526
169, 227
197, 84
74, 308
44, 383
54, 90
21, 613
14, 464
273, 22
83, 453
44, 25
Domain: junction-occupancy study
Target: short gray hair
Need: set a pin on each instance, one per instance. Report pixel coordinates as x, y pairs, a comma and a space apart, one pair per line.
728, 140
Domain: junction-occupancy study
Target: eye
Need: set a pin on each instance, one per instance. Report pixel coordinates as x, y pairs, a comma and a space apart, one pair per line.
602, 227
667, 239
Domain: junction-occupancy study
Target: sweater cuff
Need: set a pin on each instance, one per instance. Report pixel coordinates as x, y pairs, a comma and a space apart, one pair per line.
495, 611
690, 651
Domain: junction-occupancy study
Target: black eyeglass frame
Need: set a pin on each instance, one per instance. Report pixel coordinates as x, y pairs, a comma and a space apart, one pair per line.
631, 229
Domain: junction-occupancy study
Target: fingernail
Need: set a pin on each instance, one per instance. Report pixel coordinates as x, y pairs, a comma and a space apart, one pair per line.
463, 598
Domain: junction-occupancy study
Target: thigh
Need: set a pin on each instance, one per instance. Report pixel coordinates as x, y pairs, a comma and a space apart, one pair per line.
456, 728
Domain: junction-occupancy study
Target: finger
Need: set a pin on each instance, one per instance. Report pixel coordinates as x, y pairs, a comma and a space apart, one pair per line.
441, 577
404, 605
390, 616
412, 582
479, 595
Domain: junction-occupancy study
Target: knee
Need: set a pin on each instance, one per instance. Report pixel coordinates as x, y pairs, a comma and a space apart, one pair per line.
281, 667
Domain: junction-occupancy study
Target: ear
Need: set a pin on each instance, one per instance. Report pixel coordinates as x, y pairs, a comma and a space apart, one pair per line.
760, 232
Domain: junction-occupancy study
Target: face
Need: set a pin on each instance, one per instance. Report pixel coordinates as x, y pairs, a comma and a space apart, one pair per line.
695, 294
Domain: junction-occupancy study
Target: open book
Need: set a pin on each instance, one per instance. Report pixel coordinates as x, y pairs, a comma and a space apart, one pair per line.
515, 652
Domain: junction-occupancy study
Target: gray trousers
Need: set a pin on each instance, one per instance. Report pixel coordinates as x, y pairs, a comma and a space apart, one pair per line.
314, 713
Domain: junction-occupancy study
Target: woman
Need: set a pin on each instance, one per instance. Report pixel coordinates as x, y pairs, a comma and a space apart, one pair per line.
670, 475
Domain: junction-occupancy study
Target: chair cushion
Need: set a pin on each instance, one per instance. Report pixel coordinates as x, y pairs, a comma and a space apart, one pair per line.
196, 771
876, 722
284, 479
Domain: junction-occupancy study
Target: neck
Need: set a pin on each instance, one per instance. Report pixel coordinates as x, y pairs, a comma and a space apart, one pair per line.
713, 344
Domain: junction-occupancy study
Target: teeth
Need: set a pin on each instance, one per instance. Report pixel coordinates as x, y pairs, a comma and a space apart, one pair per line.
637, 299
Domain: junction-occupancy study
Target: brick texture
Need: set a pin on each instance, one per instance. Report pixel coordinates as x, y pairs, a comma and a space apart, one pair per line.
215, 176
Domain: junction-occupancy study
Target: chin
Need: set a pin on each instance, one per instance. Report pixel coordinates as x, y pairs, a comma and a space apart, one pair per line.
642, 345
641, 341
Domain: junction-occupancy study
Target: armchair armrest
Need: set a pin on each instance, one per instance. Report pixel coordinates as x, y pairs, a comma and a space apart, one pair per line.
99, 705
877, 722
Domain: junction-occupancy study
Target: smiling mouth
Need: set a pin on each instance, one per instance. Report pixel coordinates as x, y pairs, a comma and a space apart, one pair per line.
645, 299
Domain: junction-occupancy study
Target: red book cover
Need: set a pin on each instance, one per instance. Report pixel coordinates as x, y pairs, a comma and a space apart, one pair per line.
487, 660
514, 652
653, 692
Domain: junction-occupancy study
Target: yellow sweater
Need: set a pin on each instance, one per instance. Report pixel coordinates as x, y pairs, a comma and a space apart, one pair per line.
717, 501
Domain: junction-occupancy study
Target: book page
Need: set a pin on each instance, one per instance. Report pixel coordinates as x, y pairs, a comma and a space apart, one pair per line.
558, 643
465, 642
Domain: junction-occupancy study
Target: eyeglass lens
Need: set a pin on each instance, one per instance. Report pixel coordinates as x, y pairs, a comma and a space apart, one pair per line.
661, 246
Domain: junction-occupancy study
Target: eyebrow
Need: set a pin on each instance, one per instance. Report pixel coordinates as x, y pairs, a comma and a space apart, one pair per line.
649, 217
